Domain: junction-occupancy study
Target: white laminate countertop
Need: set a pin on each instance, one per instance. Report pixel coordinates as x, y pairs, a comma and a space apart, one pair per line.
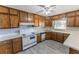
72, 41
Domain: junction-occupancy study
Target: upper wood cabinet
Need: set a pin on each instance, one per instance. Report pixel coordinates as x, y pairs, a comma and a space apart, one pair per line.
14, 11
4, 21
77, 21
30, 17
77, 13
23, 16
4, 9
6, 47
14, 21
55, 17
17, 45
71, 21
36, 20
48, 23
70, 14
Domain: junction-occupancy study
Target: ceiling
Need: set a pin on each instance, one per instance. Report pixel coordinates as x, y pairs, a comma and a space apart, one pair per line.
58, 9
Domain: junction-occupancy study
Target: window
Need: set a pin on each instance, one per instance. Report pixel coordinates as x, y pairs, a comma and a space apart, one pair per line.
60, 24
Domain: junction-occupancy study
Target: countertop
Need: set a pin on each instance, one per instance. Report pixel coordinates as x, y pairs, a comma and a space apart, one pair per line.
72, 41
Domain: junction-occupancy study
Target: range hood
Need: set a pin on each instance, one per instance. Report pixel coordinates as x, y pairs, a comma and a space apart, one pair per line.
27, 24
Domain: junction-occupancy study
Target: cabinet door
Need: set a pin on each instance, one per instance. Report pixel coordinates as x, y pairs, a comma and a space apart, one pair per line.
4, 21
48, 23
4, 9
38, 38
13, 11
36, 20
17, 45
59, 37
70, 21
30, 17
23, 17
53, 35
6, 47
14, 21
48, 35
71, 14
77, 21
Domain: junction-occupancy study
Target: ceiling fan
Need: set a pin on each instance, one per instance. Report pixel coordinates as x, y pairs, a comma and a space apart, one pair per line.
47, 9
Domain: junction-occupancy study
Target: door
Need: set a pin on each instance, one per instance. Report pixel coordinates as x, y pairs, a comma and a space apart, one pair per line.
14, 21
4, 21
38, 38
17, 45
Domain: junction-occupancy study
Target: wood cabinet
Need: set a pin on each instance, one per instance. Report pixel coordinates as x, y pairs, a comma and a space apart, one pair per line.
17, 45
48, 35
6, 47
55, 17
77, 21
23, 17
48, 23
59, 37
73, 51
13, 11
53, 36
14, 20
71, 21
4, 21
30, 17
4, 10
36, 20
38, 38
71, 14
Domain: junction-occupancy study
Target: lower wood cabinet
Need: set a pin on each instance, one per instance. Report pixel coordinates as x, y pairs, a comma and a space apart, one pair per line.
38, 38
6, 47
17, 45
48, 35
72, 51
57, 36
11, 46
53, 36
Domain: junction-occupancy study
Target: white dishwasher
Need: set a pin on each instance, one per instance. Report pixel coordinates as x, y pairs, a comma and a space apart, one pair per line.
43, 36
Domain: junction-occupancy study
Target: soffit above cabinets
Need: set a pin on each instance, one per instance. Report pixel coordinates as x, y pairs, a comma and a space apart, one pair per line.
37, 9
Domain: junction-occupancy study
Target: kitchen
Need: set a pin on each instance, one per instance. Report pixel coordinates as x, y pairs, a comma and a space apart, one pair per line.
32, 29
